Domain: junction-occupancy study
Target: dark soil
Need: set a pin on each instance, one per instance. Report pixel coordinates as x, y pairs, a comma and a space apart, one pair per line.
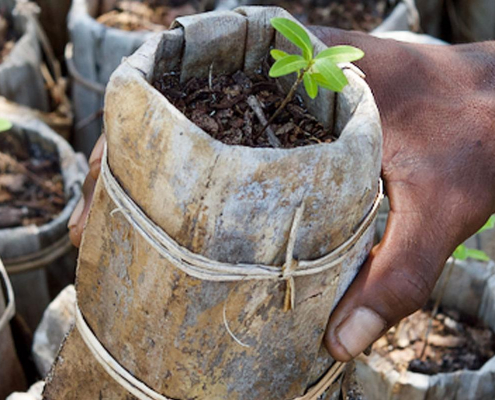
150, 15
222, 110
31, 185
344, 14
453, 344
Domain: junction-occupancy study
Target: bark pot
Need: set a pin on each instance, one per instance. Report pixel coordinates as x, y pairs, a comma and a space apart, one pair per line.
404, 16
40, 259
11, 373
231, 204
471, 291
95, 52
20, 76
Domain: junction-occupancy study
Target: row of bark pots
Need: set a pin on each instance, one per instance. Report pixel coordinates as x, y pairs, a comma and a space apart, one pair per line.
470, 290
31, 80
96, 51
11, 374
188, 299
40, 258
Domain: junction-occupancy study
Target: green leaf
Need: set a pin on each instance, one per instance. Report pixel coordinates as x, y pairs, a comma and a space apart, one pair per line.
490, 224
5, 125
294, 33
278, 54
479, 255
341, 54
310, 85
329, 76
460, 253
287, 65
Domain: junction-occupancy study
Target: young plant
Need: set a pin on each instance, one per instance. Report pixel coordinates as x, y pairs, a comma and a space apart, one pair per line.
320, 71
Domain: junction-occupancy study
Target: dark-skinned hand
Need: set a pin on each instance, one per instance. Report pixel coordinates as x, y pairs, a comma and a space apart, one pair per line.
437, 105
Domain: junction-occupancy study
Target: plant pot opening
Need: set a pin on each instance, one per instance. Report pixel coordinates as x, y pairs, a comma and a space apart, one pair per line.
343, 14
31, 181
142, 15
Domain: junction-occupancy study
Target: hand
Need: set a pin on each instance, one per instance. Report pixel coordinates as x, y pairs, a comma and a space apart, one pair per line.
80, 213
438, 113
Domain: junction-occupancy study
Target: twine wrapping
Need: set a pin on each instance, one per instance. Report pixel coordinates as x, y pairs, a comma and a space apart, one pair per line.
202, 267
10, 307
39, 259
143, 392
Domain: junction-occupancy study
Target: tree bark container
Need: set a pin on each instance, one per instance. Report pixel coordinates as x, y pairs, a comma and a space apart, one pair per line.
230, 204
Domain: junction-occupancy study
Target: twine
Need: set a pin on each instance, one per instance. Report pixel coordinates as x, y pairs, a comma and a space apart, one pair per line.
40, 258
143, 392
10, 307
203, 268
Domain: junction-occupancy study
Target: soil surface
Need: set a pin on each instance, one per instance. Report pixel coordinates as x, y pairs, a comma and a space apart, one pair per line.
344, 14
225, 109
7, 38
453, 344
31, 185
149, 15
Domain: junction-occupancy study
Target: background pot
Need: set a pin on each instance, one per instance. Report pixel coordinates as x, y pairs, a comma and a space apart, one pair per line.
471, 291
40, 259
11, 374
230, 204
20, 76
403, 17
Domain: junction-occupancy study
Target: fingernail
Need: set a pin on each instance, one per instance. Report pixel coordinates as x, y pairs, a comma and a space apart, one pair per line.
76, 214
360, 329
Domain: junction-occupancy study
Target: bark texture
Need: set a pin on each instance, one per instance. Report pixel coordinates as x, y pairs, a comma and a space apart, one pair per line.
229, 203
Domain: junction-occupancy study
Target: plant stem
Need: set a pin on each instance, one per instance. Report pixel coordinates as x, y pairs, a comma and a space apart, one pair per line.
286, 101
436, 307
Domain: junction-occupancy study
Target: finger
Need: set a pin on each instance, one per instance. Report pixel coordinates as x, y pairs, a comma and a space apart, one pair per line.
80, 213
395, 281
96, 156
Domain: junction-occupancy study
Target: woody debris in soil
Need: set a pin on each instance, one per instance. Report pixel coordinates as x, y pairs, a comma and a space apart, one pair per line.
224, 109
151, 15
31, 185
453, 344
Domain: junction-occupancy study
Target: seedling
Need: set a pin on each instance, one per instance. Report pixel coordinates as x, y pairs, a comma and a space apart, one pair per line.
320, 71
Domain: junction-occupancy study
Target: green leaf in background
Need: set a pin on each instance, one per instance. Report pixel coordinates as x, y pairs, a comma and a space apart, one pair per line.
310, 85
287, 65
294, 33
476, 254
329, 76
460, 253
5, 125
490, 224
341, 54
278, 54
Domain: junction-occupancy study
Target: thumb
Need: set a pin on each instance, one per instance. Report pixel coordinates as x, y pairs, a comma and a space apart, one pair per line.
395, 281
